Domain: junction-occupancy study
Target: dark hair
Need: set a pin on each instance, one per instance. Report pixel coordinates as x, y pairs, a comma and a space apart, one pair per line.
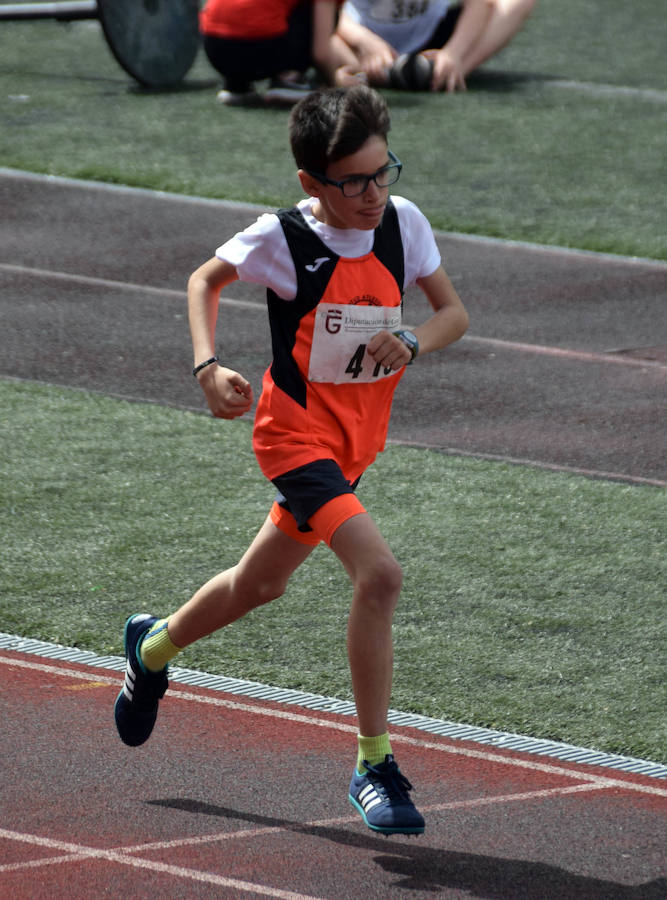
335, 122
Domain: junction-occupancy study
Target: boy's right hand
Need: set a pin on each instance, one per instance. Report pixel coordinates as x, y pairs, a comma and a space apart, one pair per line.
376, 56
227, 393
348, 76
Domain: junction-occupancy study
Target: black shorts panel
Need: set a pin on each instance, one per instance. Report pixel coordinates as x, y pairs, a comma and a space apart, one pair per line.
307, 488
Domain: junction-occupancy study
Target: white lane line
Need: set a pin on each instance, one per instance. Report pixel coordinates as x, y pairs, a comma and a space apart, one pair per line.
471, 803
92, 281
486, 755
600, 89
512, 798
290, 716
403, 442
40, 863
516, 346
256, 209
78, 852
564, 352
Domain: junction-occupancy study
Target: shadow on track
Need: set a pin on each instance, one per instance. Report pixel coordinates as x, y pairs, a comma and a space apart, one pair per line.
426, 869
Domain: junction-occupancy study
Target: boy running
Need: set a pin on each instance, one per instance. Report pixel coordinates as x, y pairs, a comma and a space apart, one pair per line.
335, 267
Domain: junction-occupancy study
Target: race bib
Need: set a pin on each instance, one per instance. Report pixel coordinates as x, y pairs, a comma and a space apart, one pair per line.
341, 334
396, 11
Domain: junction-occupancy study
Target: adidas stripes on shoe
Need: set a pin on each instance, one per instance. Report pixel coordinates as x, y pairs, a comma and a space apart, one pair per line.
382, 797
136, 706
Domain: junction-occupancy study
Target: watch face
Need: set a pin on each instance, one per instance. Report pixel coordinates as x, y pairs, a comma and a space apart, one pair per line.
410, 341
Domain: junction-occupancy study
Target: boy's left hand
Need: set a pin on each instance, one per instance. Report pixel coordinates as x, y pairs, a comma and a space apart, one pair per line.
389, 351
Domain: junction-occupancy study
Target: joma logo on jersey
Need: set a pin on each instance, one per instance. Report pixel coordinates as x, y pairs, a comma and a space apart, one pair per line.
333, 321
313, 267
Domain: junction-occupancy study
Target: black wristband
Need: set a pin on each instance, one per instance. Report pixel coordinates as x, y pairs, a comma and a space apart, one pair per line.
208, 362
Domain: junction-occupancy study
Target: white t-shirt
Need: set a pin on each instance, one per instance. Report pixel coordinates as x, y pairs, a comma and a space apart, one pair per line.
261, 256
405, 24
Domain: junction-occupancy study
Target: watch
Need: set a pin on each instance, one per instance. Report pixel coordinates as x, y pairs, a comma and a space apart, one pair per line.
410, 341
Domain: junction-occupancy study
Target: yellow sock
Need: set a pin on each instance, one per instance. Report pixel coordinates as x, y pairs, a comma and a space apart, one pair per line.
156, 648
373, 750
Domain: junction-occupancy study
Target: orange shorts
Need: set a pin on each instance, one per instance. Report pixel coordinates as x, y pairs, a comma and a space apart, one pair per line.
324, 522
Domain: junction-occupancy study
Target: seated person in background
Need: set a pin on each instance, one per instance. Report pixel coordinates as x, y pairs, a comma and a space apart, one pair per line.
250, 40
428, 45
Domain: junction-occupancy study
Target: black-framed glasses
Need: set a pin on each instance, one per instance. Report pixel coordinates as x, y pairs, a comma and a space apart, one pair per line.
358, 184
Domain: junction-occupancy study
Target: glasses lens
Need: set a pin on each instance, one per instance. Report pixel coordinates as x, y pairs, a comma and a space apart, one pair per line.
387, 176
352, 187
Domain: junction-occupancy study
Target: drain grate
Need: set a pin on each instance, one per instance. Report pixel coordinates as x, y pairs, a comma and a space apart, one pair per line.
500, 739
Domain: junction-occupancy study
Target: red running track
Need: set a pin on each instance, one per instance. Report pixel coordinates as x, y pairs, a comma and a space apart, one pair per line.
237, 798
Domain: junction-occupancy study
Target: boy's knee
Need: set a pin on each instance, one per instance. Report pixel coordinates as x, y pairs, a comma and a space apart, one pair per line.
381, 582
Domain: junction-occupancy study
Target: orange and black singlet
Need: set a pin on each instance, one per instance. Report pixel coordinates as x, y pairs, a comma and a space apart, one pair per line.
324, 397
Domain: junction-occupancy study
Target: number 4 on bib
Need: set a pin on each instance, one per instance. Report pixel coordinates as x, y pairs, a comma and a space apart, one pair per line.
355, 367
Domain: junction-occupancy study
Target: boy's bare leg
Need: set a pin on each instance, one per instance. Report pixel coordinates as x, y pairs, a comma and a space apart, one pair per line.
378, 789
376, 578
260, 576
507, 18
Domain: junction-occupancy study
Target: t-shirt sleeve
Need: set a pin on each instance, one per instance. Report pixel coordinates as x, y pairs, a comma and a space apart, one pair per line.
420, 250
261, 256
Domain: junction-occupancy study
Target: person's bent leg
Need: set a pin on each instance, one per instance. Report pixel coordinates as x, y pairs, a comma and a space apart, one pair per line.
260, 577
506, 20
150, 643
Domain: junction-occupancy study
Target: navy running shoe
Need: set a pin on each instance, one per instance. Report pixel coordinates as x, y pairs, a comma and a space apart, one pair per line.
381, 796
136, 705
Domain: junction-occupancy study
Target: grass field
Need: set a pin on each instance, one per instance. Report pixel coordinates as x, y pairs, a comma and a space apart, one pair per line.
539, 149
534, 602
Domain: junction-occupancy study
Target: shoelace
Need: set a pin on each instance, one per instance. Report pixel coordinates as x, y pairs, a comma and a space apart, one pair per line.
389, 781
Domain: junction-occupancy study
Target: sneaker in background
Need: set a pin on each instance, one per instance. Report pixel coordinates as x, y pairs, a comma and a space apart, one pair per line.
287, 91
239, 98
411, 72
